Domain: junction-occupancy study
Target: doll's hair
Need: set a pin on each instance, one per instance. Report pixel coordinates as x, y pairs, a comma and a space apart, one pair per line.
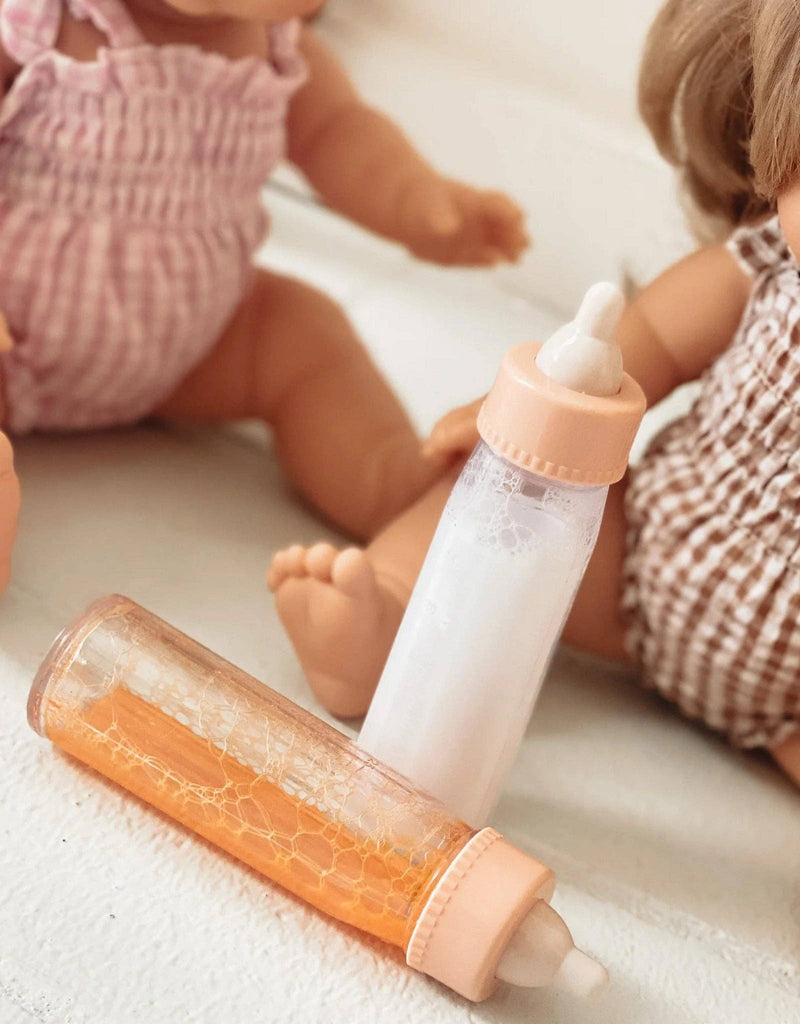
719, 89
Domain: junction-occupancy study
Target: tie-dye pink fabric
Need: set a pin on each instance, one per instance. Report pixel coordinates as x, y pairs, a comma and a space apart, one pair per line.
129, 209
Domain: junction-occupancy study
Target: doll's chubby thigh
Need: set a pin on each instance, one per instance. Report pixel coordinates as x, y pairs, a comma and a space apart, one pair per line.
290, 356
282, 331
595, 623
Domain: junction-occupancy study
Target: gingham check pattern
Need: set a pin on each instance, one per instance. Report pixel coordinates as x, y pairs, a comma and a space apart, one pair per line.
129, 209
712, 578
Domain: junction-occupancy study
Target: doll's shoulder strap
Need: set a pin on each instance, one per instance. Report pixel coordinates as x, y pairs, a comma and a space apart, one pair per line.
284, 40
111, 17
29, 27
759, 247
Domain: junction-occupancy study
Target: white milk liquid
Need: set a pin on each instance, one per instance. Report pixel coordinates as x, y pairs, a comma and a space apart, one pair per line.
474, 645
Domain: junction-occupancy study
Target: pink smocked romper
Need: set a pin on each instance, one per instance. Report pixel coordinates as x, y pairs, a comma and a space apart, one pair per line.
129, 209
713, 568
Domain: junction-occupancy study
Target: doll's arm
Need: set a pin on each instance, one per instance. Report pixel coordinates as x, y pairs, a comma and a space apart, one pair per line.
678, 325
672, 331
363, 166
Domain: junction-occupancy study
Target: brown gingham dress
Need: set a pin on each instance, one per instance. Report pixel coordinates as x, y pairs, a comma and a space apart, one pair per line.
712, 574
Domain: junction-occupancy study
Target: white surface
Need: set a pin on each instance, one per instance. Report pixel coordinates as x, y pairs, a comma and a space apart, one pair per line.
679, 859
576, 51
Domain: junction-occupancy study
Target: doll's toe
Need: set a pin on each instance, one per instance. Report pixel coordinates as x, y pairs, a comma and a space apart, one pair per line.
319, 561
285, 564
353, 574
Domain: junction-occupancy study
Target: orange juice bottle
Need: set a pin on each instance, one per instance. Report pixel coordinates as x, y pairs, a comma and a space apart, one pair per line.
227, 757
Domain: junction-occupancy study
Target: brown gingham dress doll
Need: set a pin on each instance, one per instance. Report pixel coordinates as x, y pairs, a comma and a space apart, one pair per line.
712, 576
694, 580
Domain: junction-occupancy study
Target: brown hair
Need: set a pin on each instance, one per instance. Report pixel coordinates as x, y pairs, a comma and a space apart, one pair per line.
719, 89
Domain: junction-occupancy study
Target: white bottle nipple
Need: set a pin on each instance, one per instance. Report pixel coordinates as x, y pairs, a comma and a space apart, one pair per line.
541, 952
583, 355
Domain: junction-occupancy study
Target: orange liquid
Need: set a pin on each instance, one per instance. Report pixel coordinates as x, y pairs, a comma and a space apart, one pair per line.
378, 887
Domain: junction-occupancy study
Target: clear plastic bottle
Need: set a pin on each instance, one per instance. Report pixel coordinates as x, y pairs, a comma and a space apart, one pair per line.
221, 753
505, 563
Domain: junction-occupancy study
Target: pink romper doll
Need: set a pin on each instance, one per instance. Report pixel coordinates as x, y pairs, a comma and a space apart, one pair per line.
135, 138
696, 576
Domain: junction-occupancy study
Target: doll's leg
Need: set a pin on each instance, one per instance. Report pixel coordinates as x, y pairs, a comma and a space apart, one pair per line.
9, 508
342, 609
788, 757
290, 357
595, 623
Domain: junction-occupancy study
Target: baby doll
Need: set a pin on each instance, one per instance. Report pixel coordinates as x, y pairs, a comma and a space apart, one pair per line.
696, 575
135, 138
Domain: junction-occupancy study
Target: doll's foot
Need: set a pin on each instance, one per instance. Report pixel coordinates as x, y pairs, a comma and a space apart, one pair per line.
340, 618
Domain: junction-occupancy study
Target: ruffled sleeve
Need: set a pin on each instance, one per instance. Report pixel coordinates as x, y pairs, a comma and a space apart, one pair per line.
29, 27
760, 247
285, 55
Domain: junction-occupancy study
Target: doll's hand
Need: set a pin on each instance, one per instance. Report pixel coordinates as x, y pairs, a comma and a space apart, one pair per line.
450, 223
455, 434
9, 508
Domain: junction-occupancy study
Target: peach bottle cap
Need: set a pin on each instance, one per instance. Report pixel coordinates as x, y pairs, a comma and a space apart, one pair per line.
485, 921
533, 419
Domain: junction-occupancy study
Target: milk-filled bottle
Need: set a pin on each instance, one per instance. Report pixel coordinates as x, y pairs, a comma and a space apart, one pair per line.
505, 562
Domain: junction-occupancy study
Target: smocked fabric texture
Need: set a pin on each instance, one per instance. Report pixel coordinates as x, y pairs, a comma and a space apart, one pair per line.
713, 568
129, 209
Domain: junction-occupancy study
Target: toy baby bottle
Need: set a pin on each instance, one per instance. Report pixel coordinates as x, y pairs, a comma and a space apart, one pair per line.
505, 562
151, 709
